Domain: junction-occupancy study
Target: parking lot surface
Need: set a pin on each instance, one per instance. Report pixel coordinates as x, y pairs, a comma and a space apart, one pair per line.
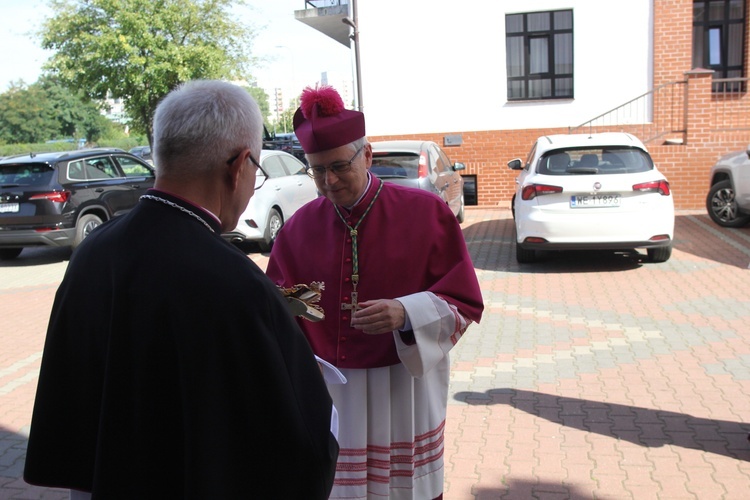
591, 375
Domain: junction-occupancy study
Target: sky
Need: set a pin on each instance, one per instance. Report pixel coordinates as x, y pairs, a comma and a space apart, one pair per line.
296, 54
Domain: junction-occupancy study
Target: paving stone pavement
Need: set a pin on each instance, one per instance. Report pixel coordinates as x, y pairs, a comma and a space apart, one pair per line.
591, 375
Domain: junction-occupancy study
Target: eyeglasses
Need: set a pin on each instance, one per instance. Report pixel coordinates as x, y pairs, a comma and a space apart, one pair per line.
259, 180
337, 167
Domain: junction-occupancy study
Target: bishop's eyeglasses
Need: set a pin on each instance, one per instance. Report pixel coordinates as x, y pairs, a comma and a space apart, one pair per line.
259, 179
337, 167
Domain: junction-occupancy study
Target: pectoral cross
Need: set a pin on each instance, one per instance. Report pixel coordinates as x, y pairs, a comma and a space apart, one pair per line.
354, 305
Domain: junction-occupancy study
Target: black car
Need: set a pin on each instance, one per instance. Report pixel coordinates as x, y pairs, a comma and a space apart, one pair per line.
286, 142
56, 199
143, 152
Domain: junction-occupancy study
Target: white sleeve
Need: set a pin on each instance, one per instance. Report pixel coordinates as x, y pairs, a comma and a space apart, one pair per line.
437, 326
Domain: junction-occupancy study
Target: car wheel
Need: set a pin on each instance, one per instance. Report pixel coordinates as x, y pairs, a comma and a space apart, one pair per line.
85, 225
461, 215
525, 255
660, 254
9, 253
722, 207
272, 230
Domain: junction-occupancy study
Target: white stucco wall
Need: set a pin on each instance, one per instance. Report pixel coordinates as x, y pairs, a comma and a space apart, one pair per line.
439, 66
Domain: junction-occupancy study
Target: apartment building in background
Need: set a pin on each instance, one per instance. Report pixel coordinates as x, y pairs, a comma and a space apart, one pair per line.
486, 78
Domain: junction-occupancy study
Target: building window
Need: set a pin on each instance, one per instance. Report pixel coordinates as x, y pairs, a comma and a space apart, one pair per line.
470, 189
719, 40
539, 55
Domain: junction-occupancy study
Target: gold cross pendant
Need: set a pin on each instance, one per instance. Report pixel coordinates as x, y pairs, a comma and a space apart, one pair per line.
353, 307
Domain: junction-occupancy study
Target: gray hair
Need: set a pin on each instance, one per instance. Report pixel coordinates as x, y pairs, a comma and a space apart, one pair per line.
358, 143
201, 124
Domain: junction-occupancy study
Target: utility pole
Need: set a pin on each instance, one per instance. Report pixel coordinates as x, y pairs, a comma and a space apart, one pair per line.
355, 38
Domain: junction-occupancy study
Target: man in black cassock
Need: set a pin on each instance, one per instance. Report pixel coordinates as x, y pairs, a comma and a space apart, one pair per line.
172, 367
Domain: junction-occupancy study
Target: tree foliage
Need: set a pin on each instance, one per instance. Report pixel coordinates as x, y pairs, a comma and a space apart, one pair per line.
139, 50
261, 97
46, 110
25, 115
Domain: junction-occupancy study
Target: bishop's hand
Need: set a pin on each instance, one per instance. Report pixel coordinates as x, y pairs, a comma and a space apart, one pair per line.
379, 316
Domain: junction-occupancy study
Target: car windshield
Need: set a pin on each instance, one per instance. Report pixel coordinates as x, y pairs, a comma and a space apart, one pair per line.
605, 160
25, 174
395, 165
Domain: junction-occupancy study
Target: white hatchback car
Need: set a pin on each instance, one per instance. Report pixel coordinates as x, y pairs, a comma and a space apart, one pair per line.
591, 191
285, 190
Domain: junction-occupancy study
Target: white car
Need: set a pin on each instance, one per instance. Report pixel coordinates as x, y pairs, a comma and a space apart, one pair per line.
591, 191
285, 190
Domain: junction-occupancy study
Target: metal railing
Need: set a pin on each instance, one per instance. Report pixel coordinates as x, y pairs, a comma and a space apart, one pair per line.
320, 4
662, 112
730, 105
658, 113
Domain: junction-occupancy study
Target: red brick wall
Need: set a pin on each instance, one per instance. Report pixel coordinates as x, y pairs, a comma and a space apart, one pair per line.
486, 153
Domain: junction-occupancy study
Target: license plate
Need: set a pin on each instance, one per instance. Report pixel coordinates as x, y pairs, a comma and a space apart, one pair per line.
595, 201
6, 208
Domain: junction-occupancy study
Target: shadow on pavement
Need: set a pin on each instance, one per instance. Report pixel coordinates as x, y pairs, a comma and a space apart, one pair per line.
491, 244
700, 236
641, 426
36, 256
515, 488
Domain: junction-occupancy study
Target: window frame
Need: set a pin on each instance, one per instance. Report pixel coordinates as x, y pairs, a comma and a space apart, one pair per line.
707, 27
551, 76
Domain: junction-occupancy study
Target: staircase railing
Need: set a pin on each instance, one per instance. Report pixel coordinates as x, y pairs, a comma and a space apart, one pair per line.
658, 113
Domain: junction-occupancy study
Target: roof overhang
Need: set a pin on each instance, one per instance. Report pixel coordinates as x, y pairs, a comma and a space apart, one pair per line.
327, 20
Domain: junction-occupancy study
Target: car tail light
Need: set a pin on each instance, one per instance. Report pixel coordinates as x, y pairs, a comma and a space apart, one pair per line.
56, 196
422, 172
660, 237
534, 239
533, 190
661, 187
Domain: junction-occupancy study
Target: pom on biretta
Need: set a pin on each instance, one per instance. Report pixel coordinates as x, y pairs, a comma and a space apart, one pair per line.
322, 122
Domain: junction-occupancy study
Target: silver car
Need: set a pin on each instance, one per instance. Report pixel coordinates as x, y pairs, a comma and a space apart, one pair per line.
421, 165
728, 200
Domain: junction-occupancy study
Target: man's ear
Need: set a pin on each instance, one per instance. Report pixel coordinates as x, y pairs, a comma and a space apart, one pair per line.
235, 169
367, 153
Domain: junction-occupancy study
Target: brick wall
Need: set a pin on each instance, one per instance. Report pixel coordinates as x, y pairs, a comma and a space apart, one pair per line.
686, 165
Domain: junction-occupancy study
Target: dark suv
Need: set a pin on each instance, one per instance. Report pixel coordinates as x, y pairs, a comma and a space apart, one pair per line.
56, 199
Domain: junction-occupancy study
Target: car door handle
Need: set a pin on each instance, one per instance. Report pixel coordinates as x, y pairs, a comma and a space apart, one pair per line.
277, 188
99, 190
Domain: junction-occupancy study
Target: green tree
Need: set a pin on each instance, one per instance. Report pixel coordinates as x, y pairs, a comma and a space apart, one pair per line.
285, 118
139, 50
25, 115
46, 110
261, 98
78, 116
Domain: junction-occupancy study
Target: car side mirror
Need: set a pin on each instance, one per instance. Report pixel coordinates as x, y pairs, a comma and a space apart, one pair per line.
515, 164
459, 166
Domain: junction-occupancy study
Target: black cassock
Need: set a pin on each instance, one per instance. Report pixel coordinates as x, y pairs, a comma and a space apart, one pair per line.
172, 369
